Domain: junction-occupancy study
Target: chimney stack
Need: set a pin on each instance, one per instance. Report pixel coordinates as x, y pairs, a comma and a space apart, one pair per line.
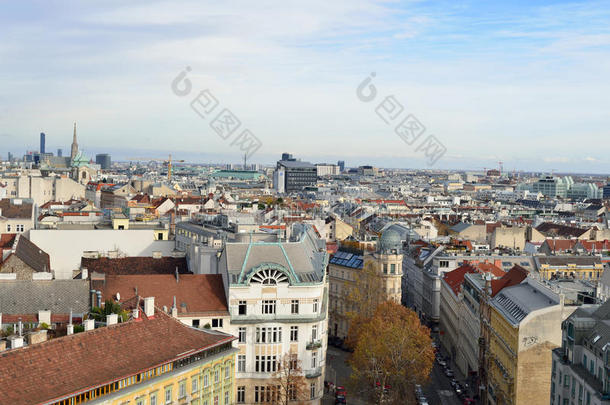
177, 275
44, 317
20, 327
112, 319
174, 309
84, 274
89, 324
16, 341
149, 306
136, 313
70, 329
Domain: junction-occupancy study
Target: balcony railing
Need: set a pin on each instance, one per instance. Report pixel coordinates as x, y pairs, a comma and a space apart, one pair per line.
313, 373
314, 344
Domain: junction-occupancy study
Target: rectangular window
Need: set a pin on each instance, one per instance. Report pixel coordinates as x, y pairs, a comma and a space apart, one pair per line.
8, 227
241, 363
228, 371
294, 333
139, 402
242, 308
315, 305
20, 228
265, 364
314, 332
242, 335
226, 397
314, 359
206, 381
153, 399
216, 376
195, 323
294, 307
393, 268
268, 306
168, 395
241, 395
217, 323
269, 334
194, 385
182, 389
312, 391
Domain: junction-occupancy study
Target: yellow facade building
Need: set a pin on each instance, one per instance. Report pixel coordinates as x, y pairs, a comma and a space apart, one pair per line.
152, 359
579, 267
520, 328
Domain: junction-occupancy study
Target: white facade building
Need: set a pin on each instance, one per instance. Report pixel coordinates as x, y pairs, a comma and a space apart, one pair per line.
278, 304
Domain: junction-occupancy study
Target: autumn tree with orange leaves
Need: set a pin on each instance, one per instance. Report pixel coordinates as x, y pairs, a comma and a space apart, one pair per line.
393, 352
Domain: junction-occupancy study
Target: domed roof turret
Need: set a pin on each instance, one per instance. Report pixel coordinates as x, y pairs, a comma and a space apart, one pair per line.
390, 239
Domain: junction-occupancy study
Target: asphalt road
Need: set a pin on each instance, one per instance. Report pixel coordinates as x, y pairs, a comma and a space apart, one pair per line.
438, 391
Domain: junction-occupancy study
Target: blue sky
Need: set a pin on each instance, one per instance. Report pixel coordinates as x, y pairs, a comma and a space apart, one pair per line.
524, 82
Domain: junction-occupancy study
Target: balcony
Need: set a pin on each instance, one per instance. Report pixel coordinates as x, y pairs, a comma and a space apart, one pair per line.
314, 344
313, 373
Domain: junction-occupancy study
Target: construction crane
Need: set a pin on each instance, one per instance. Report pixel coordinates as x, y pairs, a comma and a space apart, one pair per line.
166, 162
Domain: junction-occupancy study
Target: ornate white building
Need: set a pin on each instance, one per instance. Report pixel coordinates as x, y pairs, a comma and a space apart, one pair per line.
278, 304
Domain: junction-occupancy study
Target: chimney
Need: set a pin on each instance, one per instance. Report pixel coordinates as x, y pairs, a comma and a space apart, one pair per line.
70, 329
149, 306
84, 274
89, 324
177, 275
112, 319
37, 337
15, 341
20, 327
174, 309
44, 317
136, 313
98, 293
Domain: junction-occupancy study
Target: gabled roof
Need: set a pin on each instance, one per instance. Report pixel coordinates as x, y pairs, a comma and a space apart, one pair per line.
68, 365
195, 293
32, 255
514, 276
57, 296
455, 278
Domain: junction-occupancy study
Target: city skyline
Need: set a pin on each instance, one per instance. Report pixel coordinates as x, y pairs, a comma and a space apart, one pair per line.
521, 83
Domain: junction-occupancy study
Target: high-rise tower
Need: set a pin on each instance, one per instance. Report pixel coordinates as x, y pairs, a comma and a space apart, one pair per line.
42, 143
74, 150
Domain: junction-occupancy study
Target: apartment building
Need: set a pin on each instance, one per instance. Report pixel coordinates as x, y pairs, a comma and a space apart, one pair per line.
345, 268
156, 360
580, 370
278, 305
522, 326
17, 215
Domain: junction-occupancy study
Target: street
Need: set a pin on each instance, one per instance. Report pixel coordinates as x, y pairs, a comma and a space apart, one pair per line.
438, 390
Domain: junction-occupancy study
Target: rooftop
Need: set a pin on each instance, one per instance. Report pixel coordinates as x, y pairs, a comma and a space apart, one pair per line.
71, 364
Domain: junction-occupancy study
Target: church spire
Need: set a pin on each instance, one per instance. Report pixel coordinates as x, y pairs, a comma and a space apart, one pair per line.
74, 149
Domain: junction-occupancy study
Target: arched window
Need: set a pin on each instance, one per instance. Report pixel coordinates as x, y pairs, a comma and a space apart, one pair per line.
269, 277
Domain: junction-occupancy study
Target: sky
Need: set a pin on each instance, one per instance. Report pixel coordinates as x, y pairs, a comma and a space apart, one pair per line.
522, 82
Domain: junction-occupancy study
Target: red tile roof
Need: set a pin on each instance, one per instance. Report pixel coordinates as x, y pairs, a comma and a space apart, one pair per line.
514, 276
7, 240
455, 278
77, 363
12, 210
201, 293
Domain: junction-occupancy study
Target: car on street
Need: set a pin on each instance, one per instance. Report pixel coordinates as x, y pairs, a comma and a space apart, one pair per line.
340, 390
340, 399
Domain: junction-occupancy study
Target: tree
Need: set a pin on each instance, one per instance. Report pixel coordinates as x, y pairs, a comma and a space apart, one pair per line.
393, 350
364, 295
288, 384
110, 307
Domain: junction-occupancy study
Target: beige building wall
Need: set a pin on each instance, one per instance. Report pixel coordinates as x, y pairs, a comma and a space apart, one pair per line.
510, 237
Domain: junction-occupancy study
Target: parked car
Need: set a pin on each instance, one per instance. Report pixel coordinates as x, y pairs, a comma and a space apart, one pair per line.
340, 399
468, 401
422, 400
340, 390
